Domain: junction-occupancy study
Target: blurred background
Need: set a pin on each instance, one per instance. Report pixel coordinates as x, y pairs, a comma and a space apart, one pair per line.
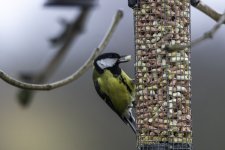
74, 117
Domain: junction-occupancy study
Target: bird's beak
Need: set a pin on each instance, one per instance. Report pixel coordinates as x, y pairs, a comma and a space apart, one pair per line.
124, 59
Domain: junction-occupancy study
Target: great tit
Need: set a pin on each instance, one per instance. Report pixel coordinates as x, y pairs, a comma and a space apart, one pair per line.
114, 86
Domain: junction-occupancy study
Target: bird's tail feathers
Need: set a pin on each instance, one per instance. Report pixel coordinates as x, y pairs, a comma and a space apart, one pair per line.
132, 125
130, 120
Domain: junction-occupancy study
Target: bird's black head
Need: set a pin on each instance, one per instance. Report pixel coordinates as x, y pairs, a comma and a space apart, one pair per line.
111, 62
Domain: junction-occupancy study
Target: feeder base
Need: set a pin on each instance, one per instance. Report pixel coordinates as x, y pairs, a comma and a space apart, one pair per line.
166, 146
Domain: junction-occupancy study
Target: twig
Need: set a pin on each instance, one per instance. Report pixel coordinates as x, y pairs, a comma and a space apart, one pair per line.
208, 11
176, 47
76, 74
72, 30
205, 36
74, 27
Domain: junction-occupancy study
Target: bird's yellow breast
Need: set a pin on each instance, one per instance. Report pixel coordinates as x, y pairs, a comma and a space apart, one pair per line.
116, 90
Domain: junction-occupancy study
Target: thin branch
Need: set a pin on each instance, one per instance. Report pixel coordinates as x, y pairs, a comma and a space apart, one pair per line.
71, 32
75, 29
176, 47
209, 11
75, 75
205, 36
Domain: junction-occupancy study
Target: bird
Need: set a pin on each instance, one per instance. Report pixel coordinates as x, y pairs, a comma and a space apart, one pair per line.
114, 86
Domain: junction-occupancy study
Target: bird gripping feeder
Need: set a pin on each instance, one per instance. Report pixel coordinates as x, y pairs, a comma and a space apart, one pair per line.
163, 78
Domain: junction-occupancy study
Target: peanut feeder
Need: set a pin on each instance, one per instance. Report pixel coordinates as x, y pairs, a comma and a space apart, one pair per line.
163, 78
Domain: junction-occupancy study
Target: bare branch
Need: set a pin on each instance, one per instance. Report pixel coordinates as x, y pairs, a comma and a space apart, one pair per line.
76, 74
66, 38
208, 11
176, 47
75, 27
73, 32
205, 36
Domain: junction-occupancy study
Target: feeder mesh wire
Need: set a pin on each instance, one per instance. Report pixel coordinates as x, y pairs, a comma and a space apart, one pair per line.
163, 79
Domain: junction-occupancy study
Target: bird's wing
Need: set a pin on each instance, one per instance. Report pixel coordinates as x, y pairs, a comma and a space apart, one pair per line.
104, 96
127, 119
130, 84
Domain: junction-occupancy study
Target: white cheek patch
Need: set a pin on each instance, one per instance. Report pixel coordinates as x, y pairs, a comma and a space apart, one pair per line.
105, 63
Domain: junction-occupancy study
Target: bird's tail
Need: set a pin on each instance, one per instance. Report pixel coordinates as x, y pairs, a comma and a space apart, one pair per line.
130, 120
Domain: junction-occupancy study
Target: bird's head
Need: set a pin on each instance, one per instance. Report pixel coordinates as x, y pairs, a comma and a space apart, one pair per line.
110, 61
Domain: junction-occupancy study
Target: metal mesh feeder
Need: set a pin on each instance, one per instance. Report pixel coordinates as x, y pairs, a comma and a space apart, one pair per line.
163, 88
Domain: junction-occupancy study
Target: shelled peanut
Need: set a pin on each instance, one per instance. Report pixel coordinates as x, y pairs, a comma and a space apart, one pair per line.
163, 78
